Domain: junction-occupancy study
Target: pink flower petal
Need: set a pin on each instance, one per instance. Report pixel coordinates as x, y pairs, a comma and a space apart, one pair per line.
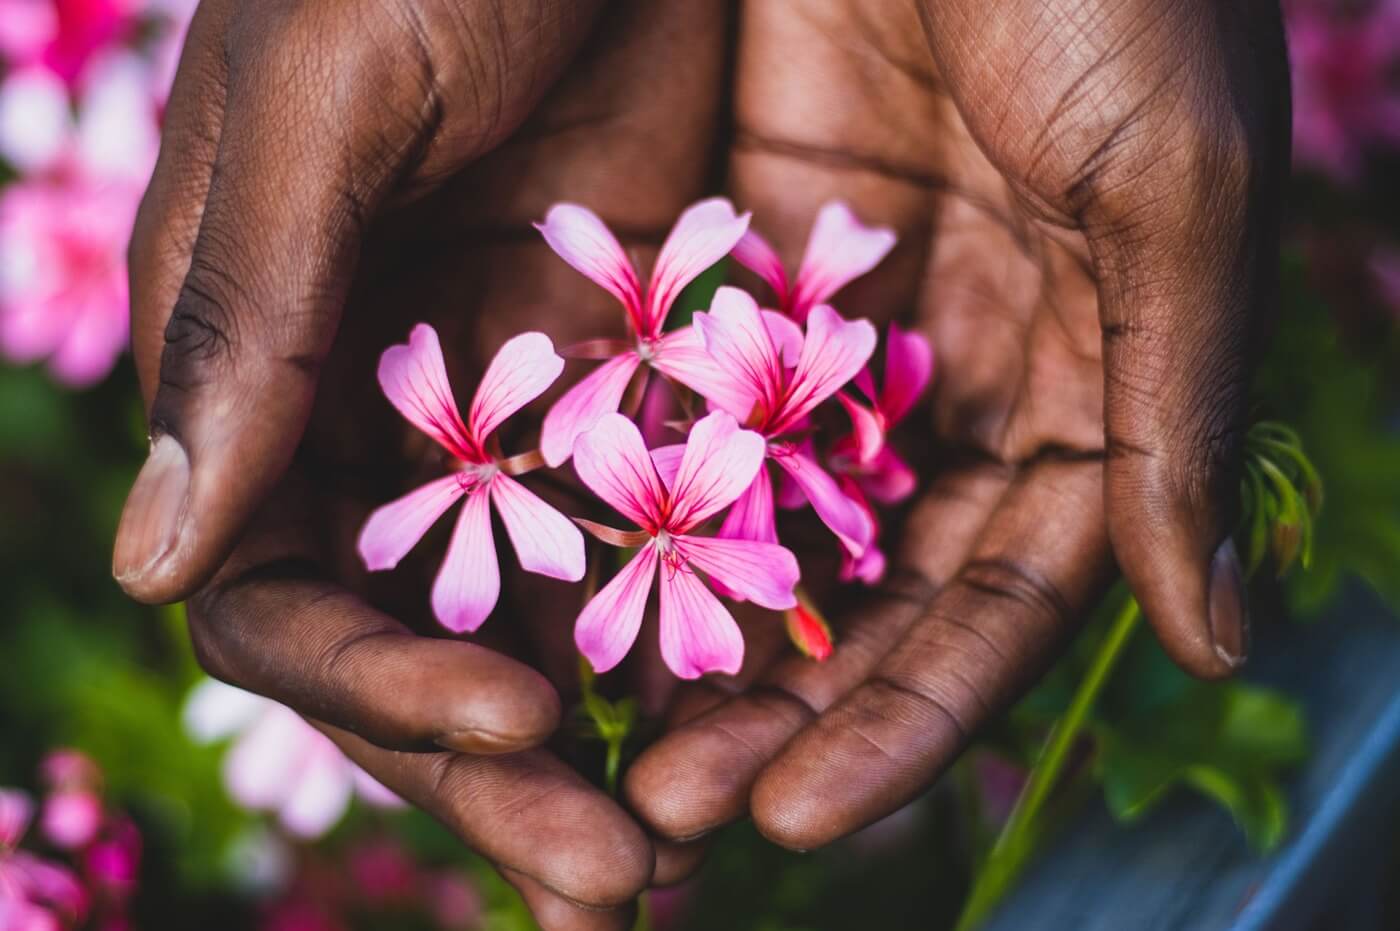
888, 479
215, 710
260, 768
754, 253
581, 407
607, 627
868, 568
546, 541
908, 370
764, 573
698, 634
469, 581
720, 461
839, 250
681, 356
16, 809
585, 242
734, 334
846, 518
71, 817
321, 793
521, 371
612, 460
869, 430
752, 518
373, 792
786, 335
395, 528
704, 234
834, 352
667, 460
414, 379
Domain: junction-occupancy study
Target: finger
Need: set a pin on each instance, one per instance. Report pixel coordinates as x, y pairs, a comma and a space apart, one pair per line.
677, 862
274, 623
1034, 571
529, 813
553, 912
1186, 275
167, 222
326, 109
699, 776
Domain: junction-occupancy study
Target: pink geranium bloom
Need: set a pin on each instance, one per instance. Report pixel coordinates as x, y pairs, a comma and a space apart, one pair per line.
414, 379
1345, 93
65, 225
669, 497
778, 377
34, 893
278, 763
63, 35
839, 249
704, 234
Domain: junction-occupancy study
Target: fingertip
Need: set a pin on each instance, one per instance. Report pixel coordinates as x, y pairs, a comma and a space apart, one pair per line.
147, 559
497, 705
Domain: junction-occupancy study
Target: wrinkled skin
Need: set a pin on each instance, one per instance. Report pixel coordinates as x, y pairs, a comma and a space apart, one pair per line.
1086, 194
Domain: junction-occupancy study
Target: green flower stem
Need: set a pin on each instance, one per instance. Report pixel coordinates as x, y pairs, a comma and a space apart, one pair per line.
614, 762
1014, 845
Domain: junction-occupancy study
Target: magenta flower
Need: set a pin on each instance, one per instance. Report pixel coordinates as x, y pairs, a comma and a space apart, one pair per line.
839, 249
62, 35
1345, 93
704, 234
778, 376
669, 497
278, 763
414, 379
35, 894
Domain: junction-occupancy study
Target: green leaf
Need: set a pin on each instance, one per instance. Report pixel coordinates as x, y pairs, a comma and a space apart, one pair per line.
1253, 800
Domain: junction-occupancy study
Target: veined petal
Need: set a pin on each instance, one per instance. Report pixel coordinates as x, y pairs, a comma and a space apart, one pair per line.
839, 249
751, 517
786, 334
908, 370
607, 627
580, 238
681, 355
469, 581
868, 568
754, 253
735, 336
888, 478
393, 529
704, 234
612, 460
764, 573
698, 634
546, 541
583, 405
414, 380
720, 461
834, 352
667, 460
868, 428
846, 518
520, 372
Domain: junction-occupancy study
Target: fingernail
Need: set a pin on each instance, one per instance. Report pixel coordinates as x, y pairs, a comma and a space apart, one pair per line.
478, 742
1229, 609
155, 509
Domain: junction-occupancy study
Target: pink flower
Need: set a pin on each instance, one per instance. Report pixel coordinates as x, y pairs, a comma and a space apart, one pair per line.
778, 375
1345, 93
71, 818
414, 379
62, 35
839, 249
278, 763
114, 861
65, 224
704, 234
454, 902
668, 496
34, 892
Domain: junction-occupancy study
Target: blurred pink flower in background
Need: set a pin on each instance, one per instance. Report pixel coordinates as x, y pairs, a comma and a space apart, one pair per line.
278, 763
1346, 83
72, 812
35, 894
62, 36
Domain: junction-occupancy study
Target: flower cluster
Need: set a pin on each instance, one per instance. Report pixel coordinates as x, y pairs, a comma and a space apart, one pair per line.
763, 375
84, 83
93, 853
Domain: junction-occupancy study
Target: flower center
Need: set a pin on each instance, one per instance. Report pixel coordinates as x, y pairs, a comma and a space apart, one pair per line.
646, 349
473, 475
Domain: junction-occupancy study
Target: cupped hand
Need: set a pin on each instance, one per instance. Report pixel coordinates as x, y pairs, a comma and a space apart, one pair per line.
1087, 195
332, 173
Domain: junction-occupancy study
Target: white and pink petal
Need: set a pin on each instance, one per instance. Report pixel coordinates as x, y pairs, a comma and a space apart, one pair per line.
613, 461
545, 541
583, 405
414, 378
698, 634
395, 528
607, 627
469, 581
720, 461
764, 573
521, 370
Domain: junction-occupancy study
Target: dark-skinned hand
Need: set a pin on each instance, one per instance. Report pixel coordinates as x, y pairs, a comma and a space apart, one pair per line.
1087, 198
